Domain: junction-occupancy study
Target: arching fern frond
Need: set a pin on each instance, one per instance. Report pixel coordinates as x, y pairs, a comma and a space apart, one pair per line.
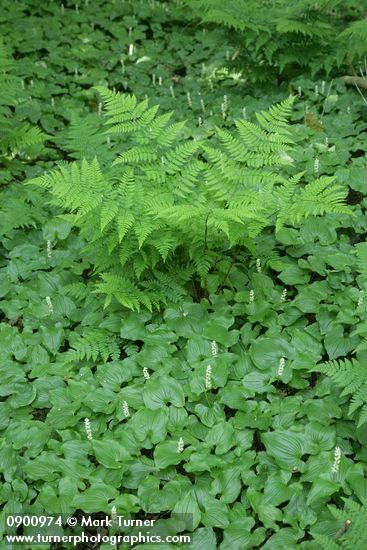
351, 376
94, 344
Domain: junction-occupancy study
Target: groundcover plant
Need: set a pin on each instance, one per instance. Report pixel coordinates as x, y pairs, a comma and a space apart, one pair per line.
183, 273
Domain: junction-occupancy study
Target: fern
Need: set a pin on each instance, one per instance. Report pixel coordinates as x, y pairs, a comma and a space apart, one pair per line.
95, 344
161, 214
351, 376
351, 522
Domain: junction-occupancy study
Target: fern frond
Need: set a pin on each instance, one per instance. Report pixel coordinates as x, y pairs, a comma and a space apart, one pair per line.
351, 376
175, 159
317, 198
138, 154
83, 138
96, 343
125, 292
350, 530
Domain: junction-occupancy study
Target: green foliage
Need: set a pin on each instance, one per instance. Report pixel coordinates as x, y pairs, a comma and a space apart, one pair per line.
282, 36
163, 211
351, 376
219, 404
17, 136
94, 345
351, 534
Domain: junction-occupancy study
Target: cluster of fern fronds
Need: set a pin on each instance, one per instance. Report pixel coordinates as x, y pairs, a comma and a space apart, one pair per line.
167, 210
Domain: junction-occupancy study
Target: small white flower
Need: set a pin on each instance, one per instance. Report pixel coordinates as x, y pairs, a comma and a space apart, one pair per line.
131, 49
258, 265
200, 121
88, 429
208, 378
49, 249
146, 373
153, 79
214, 347
52, 102
316, 91
327, 142
100, 106
348, 109
189, 100
160, 81
142, 59
49, 305
202, 105
224, 107
281, 366
172, 91
125, 409
235, 54
361, 298
316, 166
299, 91
337, 457
252, 297
323, 87
283, 296
114, 514
180, 445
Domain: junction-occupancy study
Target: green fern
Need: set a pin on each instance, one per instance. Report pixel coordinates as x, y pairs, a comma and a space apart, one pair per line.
159, 215
95, 344
351, 376
350, 534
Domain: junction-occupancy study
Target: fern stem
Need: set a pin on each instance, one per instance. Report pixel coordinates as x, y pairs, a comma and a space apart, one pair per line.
206, 233
234, 258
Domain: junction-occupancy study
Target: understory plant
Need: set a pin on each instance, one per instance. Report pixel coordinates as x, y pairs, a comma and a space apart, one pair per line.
278, 39
162, 212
